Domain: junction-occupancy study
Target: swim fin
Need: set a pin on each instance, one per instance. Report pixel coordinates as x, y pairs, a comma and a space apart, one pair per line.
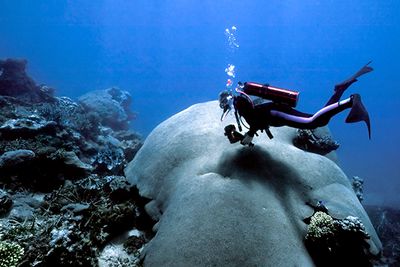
359, 113
341, 87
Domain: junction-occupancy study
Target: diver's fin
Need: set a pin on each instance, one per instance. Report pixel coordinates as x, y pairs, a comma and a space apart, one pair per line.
341, 87
365, 69
359, 113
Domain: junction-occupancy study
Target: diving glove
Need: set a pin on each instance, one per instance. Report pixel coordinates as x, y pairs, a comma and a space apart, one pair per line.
247, 140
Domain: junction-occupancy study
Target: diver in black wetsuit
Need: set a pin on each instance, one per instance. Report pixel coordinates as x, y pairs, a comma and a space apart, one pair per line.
280, 111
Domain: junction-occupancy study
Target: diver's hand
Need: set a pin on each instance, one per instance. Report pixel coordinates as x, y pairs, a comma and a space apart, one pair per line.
247, 139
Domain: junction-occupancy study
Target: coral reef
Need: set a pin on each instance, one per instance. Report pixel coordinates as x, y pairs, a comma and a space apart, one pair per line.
64, 196
74, 223
309, 140
63, 137
65, 199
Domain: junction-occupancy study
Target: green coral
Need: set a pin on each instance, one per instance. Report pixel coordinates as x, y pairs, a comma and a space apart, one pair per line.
10, 254
321, 226
338, 242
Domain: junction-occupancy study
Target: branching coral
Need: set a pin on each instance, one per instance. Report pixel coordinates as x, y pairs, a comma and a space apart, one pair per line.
351, 224
321, 226
10, 254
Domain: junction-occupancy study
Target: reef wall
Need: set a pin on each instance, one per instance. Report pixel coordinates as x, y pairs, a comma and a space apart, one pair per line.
63, 196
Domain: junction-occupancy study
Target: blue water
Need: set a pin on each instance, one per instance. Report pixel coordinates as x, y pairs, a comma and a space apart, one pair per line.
172, 54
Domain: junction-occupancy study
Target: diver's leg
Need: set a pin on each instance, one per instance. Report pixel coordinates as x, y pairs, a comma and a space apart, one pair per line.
341, 87
321, 118
357, 113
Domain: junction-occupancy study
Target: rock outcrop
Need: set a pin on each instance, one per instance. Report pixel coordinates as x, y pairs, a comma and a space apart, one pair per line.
222, 204
15, 82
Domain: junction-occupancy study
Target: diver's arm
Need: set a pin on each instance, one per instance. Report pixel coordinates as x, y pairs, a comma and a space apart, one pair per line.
248, 137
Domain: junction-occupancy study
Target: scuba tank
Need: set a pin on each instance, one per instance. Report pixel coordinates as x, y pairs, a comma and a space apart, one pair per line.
275, 94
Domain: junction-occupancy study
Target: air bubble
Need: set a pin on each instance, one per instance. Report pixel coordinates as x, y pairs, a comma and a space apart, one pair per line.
230, 70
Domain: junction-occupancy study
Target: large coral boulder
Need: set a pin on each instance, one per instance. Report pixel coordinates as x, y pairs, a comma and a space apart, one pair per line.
222, 204
112, 106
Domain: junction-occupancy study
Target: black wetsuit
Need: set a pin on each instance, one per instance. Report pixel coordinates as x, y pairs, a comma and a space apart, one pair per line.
261, 116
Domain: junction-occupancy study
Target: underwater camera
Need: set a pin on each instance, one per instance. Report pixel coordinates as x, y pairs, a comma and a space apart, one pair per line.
233, 135
275, 94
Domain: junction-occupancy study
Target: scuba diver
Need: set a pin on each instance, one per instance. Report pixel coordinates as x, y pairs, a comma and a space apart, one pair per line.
280, 110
